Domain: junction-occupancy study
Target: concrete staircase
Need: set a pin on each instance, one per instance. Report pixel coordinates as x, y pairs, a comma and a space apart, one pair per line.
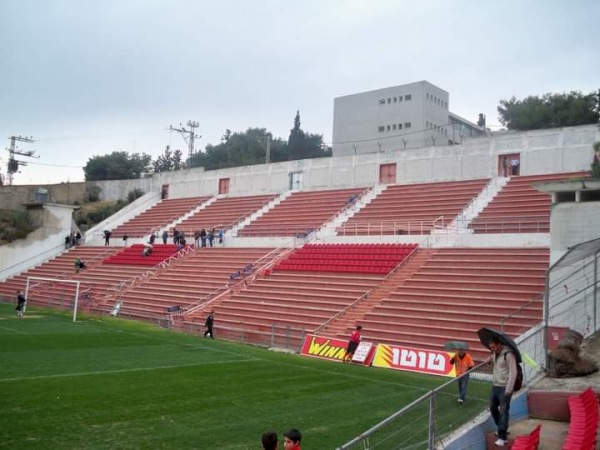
346, 321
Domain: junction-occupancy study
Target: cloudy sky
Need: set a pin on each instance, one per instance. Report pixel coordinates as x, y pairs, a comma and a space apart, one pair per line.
89, 77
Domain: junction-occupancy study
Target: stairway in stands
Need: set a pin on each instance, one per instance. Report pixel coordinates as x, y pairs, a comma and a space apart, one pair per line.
519, 207
458, 291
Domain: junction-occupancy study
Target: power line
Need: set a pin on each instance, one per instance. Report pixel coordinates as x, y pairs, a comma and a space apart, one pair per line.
97, 136
54, 165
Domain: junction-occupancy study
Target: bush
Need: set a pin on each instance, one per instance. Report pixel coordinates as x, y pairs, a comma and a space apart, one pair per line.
92, 194
134, 195
14, 225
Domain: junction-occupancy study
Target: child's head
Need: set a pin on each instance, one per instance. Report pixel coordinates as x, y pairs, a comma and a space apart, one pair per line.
269, 440
291, 439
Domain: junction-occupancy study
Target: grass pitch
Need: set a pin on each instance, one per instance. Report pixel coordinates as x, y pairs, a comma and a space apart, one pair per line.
116, 384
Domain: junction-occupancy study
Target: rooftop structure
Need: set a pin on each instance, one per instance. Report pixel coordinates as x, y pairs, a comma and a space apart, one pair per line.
413, 115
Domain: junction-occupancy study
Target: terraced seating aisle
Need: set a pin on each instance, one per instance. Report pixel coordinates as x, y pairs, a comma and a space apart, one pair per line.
223, 213
190, 280
158, 216
301, 212
519, 207
413, 208
290, 300
458, 291
62, 268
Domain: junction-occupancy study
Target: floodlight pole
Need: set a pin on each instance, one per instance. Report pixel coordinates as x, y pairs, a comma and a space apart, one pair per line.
188, 136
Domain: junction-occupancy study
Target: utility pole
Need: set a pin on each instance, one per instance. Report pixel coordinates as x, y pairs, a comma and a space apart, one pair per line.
188, 136
267, 148
13, 164
268, 157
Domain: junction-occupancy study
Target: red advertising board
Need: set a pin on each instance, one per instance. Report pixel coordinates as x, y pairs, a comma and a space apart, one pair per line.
335, 349
414, 360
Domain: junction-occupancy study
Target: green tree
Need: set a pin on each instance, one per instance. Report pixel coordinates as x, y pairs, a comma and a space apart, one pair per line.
250, 147
305, 146
117, 166
239, 149
168, 161
550, 111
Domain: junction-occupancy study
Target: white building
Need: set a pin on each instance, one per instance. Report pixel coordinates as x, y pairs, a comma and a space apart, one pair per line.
413, 115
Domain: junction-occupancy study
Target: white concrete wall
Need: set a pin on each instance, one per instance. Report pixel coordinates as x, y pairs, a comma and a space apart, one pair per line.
542, 151
42, 244
571, 224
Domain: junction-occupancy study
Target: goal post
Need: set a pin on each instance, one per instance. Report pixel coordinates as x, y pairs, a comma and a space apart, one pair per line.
31, 284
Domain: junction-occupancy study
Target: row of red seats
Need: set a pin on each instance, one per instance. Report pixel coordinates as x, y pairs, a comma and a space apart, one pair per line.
391, 251
528, 442
328, 258
134, 255
136, 261
358, 245
583, 426
332, 268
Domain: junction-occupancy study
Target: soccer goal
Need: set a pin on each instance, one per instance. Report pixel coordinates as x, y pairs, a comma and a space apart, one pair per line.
33, 282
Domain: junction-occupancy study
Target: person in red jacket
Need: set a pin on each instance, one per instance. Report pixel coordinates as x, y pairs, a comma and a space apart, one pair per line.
352, 344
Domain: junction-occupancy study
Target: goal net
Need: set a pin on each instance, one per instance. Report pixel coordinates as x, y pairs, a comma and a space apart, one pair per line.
38, 284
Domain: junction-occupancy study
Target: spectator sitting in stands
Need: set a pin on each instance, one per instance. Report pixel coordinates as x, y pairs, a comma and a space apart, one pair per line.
79, 265
147, 250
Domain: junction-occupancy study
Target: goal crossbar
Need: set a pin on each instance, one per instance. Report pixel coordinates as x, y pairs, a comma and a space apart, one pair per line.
55, 280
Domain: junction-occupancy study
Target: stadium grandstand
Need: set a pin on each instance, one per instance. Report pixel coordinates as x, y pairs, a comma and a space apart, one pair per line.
419, 246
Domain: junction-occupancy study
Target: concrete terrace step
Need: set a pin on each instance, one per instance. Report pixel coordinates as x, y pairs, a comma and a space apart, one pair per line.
467, 315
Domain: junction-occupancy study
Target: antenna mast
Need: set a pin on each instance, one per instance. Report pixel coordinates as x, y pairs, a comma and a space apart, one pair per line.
188, 136
13, 164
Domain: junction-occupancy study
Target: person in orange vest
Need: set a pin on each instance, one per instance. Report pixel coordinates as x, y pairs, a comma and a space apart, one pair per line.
462, 363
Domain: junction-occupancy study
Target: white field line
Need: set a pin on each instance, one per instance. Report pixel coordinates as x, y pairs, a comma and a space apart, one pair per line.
137, 369
14, 331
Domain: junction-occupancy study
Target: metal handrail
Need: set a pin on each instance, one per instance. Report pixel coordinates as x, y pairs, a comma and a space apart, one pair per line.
401, 412
366, 294
537, 298
118, 289
270, 259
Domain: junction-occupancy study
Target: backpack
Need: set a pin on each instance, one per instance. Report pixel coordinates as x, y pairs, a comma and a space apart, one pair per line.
519, 379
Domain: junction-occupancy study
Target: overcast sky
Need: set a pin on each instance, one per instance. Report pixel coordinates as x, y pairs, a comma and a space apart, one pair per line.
89, 77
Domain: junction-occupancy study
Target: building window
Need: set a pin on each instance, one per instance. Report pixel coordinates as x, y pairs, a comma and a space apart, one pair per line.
381, 129
394, 127
406, 124
388, 128
389, 101
427, 124
382, 101
395, 99
408, 97
427, 96
399, 126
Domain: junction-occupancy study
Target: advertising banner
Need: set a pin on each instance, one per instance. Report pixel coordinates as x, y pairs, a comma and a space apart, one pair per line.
414, 360
335, 349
